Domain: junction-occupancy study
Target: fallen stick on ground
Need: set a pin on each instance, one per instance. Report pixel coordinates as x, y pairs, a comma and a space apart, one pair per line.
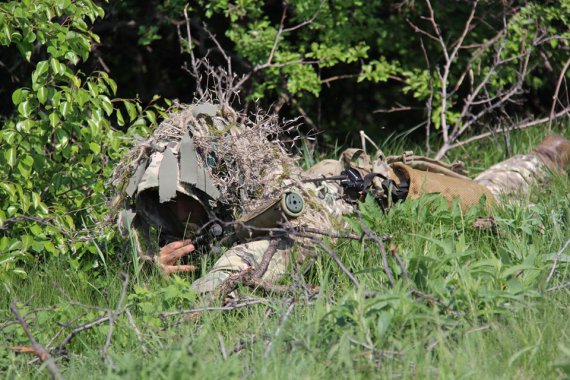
39, 350
210, 308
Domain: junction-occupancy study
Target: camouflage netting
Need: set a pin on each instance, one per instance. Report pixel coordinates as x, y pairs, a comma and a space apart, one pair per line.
238, 151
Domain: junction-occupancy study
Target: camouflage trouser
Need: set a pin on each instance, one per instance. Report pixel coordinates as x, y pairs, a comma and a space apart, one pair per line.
515, 175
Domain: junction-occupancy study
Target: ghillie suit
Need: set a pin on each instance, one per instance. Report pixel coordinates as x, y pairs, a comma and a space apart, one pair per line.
207, 152
232, 165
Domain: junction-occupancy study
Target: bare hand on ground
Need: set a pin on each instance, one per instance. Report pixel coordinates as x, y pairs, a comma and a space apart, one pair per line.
171, 253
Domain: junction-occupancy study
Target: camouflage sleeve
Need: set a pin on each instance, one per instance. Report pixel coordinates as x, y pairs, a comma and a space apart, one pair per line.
242, 257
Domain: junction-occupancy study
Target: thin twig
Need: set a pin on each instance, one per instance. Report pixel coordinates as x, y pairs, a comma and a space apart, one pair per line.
556, 258
524, 125
211, 308
401, 265
115, 314
383, 253
337, 260
137, 331
338, 77
222, 347
39, 350
555, 96
79, 329
281, 324
566, 285
449, 58
364, 137
266, 260
63, 328
192, 57
306, 22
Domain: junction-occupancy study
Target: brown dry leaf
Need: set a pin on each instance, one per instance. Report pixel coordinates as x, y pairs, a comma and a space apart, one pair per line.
30, 350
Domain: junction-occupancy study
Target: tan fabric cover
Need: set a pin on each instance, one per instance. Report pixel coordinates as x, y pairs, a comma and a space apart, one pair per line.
422, 183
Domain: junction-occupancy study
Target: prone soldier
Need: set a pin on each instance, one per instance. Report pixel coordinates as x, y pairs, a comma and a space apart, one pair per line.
181, 185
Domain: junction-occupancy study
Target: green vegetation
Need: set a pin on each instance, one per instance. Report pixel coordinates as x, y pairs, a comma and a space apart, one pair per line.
79, 83
493, 314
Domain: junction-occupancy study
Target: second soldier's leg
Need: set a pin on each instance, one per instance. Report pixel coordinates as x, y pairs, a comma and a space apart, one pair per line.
518, 173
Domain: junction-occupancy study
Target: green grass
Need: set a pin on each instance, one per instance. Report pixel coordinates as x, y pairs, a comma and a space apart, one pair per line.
493, 315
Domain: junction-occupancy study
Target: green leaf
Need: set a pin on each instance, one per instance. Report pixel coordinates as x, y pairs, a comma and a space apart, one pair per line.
54, 119
62, 136
25, 166
106, 104
8, 188
41, 68
36, 200
82, 97
10, 156
19, 96
8, 136
42, 94
64, 108
48, 246
24, 108
56, 66
120, 119
36, 230
72, 57
112, 84
24, 126
151, 116
131, 110
95, 148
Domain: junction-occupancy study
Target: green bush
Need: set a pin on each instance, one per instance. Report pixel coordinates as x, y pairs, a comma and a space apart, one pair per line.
60, 143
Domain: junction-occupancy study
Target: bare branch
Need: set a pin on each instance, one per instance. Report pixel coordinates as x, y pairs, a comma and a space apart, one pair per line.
338, 77
212, 308
79, 329
136, 330
195, 71
566, 285
555, 95
306, 22
266, 260
556, 258
523, 125
281, 324
337, 260
277, 36
372, 235
421, 31
115, 314
221, 50
399, 108
449, 58
39, 350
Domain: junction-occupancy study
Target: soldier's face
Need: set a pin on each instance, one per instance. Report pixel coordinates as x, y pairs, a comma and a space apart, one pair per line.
188, 211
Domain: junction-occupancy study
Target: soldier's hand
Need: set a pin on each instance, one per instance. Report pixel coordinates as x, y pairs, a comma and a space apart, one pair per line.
171, 253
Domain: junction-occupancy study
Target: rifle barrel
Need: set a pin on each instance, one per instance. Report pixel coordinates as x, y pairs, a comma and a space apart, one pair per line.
321, 179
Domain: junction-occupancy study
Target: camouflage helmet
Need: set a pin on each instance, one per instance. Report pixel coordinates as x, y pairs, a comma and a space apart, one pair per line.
170, 172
